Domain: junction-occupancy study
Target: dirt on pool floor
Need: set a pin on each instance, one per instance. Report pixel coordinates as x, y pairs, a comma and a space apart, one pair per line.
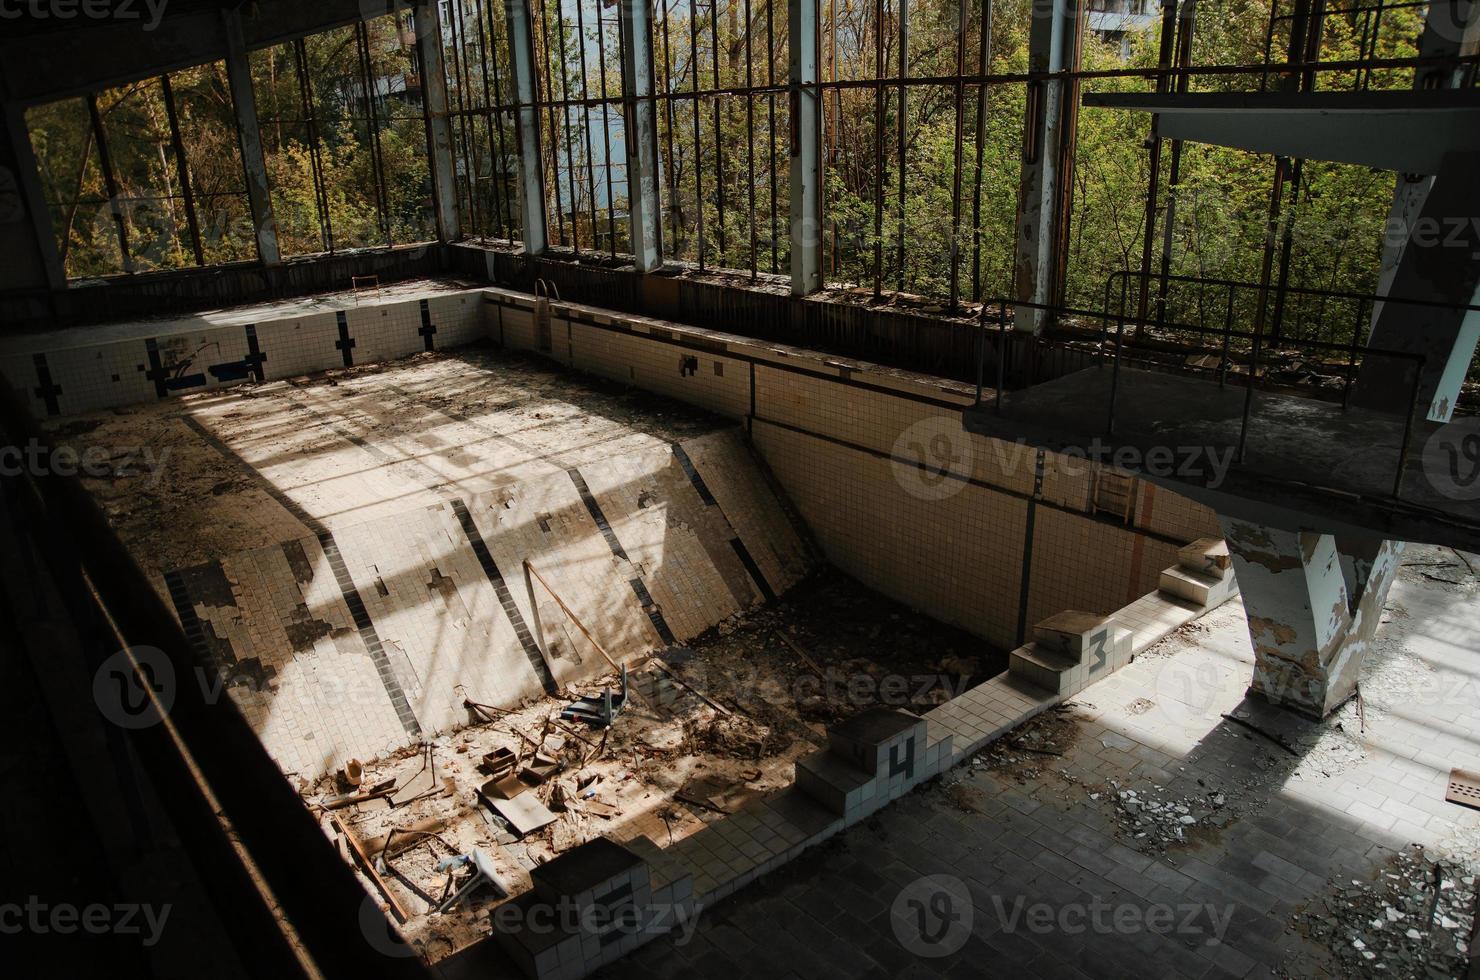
706, 728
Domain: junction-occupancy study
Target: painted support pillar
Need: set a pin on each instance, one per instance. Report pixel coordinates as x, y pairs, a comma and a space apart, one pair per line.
439, 128
37, 262
1438, 263
641, 138
249, 136
1050, 41
520, 21
1310, 627
805, 149
1451, 28
1445, 32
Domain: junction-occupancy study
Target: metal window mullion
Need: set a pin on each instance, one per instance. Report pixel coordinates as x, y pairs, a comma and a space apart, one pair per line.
805, 161
750, 136
519, 23
570, 156
904, 71
879, 71
110, 182
675, 207
249, 139
372, 130
983, 58
586, 113
956, 158
644, 209
182, 168
489, 122
315, 158
466, 135
771, 125
606, 130
506, 211
719, 148
698, 136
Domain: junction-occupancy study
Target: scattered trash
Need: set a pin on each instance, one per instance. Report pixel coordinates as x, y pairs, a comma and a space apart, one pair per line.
1413, 919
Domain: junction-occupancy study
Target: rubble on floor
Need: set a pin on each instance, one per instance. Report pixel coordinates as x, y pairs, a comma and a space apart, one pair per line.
1413, 918
708, 727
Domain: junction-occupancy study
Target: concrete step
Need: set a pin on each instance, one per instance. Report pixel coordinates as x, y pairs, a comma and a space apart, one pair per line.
1206, 555
1199, 588
1073, 633
1043, 667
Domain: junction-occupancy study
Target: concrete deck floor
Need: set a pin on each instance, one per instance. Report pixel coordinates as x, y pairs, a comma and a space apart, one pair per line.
1298, 829
1311, 457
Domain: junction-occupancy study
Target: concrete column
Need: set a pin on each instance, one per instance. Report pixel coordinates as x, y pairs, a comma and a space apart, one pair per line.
1452, 28
1447, 29
526, 94
1050, 39
646, 217
244, 100
1309, 631
26, 235
806, 155
1438, 262
434, 91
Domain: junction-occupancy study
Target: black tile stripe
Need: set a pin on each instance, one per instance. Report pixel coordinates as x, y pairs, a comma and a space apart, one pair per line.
347, 588
644, 597
505, 597
189, 621
594, 509
344, 344
46, 389
682, 456
475, 541
1025, 575
743, 553
156, 372
428, 329
654, 614
368, 635
255, 356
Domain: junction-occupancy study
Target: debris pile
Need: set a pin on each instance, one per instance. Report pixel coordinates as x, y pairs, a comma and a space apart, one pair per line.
1154, 819
1413, 919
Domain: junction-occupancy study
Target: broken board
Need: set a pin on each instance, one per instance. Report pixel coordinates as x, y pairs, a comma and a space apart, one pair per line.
525, 813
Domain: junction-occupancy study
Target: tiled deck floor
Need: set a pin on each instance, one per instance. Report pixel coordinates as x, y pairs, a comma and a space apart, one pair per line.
1044, 840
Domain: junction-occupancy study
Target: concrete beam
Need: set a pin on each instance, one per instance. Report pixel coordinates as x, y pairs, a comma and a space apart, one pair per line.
804, 147
526, 95
244, 101
27, 238
641, 139
1050, 44
1409, 132
439, 129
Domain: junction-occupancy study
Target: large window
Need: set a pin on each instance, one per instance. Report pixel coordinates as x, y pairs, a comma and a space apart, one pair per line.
145, 176
344, 138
